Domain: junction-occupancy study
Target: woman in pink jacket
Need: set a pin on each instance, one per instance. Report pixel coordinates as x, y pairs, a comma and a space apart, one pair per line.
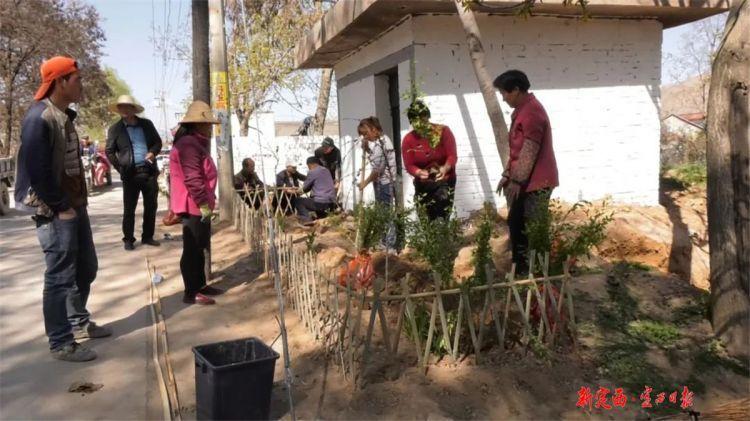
192, 185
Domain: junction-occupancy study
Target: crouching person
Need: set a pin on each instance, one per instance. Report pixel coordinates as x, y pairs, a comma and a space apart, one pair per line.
50, 181
320, 183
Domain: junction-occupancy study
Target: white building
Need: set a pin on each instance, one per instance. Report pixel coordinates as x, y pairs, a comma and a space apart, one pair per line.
598, 79
687, 125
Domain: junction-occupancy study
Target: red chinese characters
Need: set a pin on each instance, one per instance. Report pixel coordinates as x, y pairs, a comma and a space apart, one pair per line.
687, 398
601, 398
620, 399
584, 397
646, 397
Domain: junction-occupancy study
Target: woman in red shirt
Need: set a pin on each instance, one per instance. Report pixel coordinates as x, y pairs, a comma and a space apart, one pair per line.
429, 153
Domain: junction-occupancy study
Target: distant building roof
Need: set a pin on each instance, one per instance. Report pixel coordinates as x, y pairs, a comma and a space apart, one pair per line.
697, 120
350, 24
694, 117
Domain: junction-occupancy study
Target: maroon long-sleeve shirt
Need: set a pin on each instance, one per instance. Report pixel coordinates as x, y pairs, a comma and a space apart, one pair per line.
418, 155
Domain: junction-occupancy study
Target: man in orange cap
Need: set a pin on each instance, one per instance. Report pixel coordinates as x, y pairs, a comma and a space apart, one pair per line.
50, 182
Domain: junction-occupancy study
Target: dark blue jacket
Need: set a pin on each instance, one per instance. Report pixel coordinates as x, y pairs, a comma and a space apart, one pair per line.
41, 160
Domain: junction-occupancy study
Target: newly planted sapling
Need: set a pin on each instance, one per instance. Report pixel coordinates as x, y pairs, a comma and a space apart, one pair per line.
436, 241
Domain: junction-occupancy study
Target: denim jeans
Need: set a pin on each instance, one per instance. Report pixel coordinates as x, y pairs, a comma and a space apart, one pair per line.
70, 256
384, 193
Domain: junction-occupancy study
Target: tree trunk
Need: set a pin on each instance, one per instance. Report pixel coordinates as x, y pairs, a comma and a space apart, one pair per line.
323, 96
245, 115
476, 52
728, 184
5, 147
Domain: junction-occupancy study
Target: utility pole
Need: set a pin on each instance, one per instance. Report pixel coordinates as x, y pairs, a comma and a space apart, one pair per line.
201, 81
220, 105
201, 86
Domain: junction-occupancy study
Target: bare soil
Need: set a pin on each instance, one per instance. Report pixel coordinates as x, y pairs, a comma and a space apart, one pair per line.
648, 329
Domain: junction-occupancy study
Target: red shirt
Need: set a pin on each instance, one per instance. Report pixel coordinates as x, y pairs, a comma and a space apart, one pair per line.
530, 123
418, 155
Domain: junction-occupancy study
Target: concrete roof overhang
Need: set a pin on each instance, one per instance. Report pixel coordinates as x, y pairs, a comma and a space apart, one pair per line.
350, 24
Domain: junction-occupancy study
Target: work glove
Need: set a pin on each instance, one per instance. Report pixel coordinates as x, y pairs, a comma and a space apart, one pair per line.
206, 213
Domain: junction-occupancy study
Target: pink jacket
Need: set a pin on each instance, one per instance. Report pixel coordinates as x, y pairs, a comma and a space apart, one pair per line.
192, 175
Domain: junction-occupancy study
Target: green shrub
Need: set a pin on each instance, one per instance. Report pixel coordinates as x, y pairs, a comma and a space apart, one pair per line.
550, 230
482, 255
372, 224
687, 175
436, 241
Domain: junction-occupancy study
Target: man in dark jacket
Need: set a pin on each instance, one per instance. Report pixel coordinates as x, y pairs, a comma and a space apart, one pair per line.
329, 156
132, 146
50, 183
287, 188
247, 177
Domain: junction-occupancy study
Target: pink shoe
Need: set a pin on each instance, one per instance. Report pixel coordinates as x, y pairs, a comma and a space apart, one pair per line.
198, 299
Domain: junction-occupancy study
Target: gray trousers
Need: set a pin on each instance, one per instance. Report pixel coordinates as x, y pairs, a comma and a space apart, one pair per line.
72, 264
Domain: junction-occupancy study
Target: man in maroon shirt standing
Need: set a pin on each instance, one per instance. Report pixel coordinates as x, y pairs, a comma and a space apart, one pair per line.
531, 173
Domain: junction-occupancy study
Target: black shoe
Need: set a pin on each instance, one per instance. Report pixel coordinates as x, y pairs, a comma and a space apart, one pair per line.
151, 242
129, 245
209, 290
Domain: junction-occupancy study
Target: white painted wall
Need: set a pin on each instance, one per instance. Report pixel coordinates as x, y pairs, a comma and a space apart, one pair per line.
272, 153
356, 101
388, 43
598, 80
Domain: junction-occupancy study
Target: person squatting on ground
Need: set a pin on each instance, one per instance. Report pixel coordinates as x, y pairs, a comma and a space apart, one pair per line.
287, 185
132, 146
429, 153
192, 184
382, 157
531, 174
247, 178
320, 183
50, 182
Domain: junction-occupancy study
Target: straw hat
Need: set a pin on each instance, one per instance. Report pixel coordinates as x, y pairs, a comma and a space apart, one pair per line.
126, 100
199, 112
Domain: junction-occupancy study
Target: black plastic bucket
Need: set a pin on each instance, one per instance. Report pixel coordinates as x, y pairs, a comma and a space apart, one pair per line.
234, 379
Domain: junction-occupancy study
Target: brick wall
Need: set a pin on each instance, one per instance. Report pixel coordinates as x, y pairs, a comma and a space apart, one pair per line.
599, 81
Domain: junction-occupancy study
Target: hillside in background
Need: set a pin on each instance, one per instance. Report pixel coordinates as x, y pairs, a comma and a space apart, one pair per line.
683, 98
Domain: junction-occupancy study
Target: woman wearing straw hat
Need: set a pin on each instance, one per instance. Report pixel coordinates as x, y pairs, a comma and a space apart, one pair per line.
193, 182
132, 146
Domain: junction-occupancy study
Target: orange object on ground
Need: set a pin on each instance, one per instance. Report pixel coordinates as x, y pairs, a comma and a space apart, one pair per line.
359, 270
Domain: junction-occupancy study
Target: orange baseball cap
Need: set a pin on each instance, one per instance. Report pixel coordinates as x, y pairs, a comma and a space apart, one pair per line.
52, 69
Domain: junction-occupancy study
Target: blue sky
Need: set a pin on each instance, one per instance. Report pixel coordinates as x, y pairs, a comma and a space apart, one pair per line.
130, 50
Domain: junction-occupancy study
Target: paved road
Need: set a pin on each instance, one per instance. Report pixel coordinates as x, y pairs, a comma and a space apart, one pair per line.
32, 384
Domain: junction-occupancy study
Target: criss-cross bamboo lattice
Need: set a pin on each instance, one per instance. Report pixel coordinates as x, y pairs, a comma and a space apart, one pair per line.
345, 319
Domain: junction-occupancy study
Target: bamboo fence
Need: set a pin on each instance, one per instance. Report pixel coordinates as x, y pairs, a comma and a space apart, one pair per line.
353, 324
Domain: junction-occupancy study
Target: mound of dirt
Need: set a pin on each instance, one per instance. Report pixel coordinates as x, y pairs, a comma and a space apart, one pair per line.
671, 238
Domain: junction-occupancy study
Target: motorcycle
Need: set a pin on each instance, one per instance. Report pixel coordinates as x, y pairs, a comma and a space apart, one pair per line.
101, 170
87, 171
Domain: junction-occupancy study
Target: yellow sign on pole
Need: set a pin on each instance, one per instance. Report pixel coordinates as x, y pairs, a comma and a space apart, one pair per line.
220, 90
